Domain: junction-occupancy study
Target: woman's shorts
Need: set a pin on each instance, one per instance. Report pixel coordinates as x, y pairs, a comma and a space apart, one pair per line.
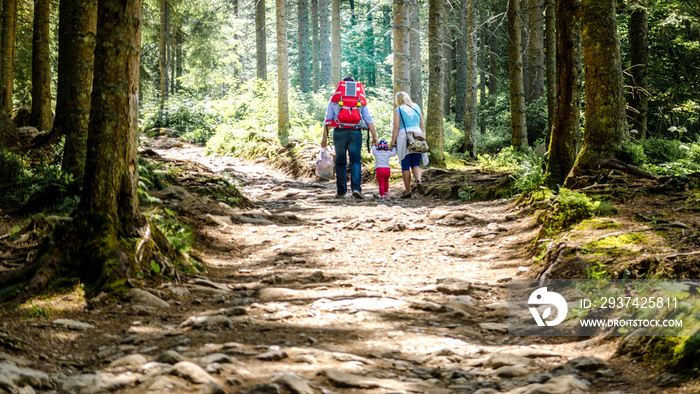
411, 160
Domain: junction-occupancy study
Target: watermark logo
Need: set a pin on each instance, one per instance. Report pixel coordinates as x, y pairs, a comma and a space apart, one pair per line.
543, 297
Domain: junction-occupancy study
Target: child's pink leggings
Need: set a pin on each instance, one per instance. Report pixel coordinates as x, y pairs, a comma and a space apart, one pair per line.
383, 175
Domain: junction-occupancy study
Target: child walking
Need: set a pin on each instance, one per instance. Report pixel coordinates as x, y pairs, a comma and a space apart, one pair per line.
382, 153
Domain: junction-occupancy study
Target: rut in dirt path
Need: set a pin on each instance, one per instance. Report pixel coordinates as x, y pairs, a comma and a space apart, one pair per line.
406, 295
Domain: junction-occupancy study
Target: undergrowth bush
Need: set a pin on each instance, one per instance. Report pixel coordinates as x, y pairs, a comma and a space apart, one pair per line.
568, 208
11, 174
526, 167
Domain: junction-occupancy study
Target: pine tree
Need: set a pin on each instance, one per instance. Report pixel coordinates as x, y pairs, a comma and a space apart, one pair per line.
435, 129
402, 50
282, 73
304, 46
260, 40
7, 53
41, 118
518, 127
564, 139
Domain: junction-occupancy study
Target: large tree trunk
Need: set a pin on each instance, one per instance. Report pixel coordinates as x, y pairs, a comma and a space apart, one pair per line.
518, 127
108, 208
470, 119
435, 129
282, 73
605, 129
639, 57
7, 53
335, 42
535, 52
325, 33
304, 47
416, 63
260, 37
551, 56
110, 171
163, 58
77, 27
402, 50
41, 117
564, 138
315, 46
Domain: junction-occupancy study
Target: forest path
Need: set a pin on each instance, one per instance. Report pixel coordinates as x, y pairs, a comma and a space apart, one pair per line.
394, 296
307, 293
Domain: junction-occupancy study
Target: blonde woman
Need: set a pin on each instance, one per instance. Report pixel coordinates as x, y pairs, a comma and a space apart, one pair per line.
407, 118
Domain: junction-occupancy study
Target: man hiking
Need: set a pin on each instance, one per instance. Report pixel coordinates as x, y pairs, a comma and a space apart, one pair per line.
347, 113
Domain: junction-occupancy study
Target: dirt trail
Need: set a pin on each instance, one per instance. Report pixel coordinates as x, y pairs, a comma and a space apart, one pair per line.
307, 293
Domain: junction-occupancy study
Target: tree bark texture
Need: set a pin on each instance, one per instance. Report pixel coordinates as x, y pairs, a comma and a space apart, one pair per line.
416, 63
325, 34
260, 38
435, 129
41, 118
460, 75
448, 55
77, 27
282, 73
7, 55
335, 42
111, 176
470, 119
565, 133
304, 46
163, 58
551, 56
402, 49
518, 127
315, 47
639, 57
536, 51
605, 129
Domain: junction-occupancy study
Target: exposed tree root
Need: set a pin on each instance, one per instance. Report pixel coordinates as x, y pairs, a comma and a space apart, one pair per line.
90, 252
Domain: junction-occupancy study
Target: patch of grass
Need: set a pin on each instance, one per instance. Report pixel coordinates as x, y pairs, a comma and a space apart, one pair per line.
597, 270
598, 224
622, 241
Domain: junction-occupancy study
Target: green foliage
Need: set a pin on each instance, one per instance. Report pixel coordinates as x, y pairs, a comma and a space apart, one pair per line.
179, 235
527, 168
568, 208
11, 174
596, 270
495, 115
632, 153
658, 150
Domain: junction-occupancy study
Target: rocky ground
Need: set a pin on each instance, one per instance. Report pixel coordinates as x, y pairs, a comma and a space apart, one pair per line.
307, 293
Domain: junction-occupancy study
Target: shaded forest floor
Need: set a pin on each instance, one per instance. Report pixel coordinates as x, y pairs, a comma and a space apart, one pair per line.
307, 293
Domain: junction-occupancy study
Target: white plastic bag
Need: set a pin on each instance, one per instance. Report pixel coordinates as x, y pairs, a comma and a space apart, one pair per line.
324, 164
424, 160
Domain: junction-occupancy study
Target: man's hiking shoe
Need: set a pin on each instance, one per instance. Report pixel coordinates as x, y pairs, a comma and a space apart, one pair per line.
340, 196
357, 194
421, 189
406, 195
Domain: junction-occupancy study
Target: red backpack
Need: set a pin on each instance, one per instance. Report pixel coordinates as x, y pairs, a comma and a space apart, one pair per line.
351, 98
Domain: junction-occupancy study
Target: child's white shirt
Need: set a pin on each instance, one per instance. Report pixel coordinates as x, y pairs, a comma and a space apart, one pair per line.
381, 157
